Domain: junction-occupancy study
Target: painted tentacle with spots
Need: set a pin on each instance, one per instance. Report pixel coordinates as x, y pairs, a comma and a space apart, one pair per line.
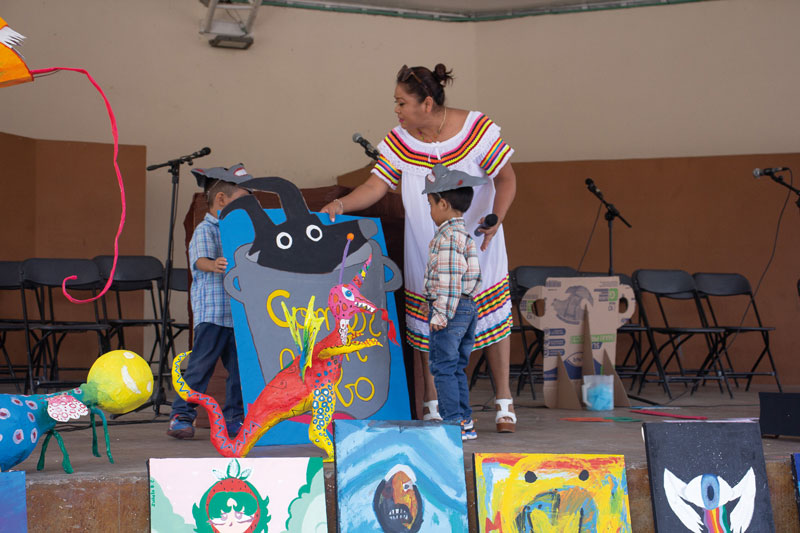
294, 390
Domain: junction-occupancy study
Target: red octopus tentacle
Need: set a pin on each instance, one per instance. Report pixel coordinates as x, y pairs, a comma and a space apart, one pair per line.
219, 432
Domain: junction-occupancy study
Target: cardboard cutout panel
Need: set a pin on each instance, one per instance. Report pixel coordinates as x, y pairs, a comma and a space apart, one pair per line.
581, 315
551, 492
284, 257
400, 477
222, 494
708, 476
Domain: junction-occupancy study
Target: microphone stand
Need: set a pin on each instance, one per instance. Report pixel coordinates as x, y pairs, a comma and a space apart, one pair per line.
779, 180
372, 154
611, 213
159, 396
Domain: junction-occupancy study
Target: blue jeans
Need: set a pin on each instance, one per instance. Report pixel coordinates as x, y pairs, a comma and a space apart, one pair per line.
450, 348
212, 342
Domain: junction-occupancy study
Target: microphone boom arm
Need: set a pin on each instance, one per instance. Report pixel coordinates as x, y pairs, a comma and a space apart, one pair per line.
611, 211
369, 150
183, 159
779, 180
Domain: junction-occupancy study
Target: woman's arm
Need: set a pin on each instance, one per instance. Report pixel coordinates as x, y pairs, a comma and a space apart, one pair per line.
505, 184
360, 198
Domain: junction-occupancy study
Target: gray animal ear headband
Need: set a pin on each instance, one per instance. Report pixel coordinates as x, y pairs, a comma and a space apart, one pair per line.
443, 179
235, 174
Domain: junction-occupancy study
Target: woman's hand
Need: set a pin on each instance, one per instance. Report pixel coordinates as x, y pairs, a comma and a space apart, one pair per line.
333, 208
362, 197
488, 233
505, 184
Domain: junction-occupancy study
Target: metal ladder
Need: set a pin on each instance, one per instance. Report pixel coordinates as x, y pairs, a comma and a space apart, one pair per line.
230, 33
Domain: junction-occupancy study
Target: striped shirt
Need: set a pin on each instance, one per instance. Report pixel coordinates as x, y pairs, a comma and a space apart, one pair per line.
210, 303
452, 269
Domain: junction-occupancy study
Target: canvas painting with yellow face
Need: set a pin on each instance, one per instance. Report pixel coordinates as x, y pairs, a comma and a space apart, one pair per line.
519, 492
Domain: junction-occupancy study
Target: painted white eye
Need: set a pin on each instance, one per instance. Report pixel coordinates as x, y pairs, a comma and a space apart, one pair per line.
283, 240
221, 520
407, 485
314, 232
349, 294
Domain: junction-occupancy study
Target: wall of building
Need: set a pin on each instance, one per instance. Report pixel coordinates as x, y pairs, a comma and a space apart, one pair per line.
712, 78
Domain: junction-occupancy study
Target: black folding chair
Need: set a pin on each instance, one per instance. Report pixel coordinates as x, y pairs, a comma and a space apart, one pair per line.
718, 285
676, 285
41, 281
178, 281
634, 330
521, 279
9, 281
134, 274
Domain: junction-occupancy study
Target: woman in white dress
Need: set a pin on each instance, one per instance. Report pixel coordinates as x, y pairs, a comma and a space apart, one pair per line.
429, 132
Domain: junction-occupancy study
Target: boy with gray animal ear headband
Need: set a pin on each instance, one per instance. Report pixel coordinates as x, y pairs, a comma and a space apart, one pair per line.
452, 278
213, 322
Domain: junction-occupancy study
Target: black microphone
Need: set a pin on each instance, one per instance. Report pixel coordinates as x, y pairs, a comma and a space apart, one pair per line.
368, 148
757, 173
592, 187
201, 152
182, 159
488, 221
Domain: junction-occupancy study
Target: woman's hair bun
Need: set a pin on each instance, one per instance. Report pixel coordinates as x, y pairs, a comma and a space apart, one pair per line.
442, 75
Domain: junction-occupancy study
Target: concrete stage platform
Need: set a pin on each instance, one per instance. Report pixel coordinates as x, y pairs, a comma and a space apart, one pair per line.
107, 498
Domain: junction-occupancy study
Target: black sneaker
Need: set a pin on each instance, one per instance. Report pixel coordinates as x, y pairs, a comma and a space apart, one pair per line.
180, 427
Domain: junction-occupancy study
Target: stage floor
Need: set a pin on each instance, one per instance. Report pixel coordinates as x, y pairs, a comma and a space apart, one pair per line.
139, 436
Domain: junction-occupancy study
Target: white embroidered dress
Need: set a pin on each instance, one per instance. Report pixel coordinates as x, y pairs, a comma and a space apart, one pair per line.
477, 149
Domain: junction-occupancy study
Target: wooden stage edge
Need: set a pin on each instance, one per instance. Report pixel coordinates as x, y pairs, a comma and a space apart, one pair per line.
107, 497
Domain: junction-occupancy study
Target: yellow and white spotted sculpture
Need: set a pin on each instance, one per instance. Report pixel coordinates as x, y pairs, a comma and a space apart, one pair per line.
118, 382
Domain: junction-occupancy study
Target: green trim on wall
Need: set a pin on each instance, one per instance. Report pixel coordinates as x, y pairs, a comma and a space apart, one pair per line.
468, 17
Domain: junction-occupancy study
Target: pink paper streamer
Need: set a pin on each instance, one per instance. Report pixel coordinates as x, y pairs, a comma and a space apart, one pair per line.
119, 180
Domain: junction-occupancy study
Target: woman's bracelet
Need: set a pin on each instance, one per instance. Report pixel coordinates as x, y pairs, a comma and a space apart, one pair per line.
340, 204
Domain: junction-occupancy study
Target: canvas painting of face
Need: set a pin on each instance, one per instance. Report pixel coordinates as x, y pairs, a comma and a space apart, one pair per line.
243, 495
526, 492
400, 477
708, 477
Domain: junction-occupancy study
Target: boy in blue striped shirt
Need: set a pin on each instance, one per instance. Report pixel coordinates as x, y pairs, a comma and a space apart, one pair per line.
213, 322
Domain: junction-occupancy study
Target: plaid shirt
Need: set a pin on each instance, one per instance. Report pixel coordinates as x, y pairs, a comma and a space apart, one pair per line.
210, 303
452, 270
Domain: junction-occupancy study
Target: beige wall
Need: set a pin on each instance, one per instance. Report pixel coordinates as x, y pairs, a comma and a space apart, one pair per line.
288, 106
707, 78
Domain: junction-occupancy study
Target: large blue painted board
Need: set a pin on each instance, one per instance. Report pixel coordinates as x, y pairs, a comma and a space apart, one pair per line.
373, 383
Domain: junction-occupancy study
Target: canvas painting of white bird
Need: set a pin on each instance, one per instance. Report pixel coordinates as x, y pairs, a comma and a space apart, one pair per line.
708, 477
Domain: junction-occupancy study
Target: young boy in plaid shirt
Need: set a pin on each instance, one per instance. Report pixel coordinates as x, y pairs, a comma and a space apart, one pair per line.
213, 322
452, 277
